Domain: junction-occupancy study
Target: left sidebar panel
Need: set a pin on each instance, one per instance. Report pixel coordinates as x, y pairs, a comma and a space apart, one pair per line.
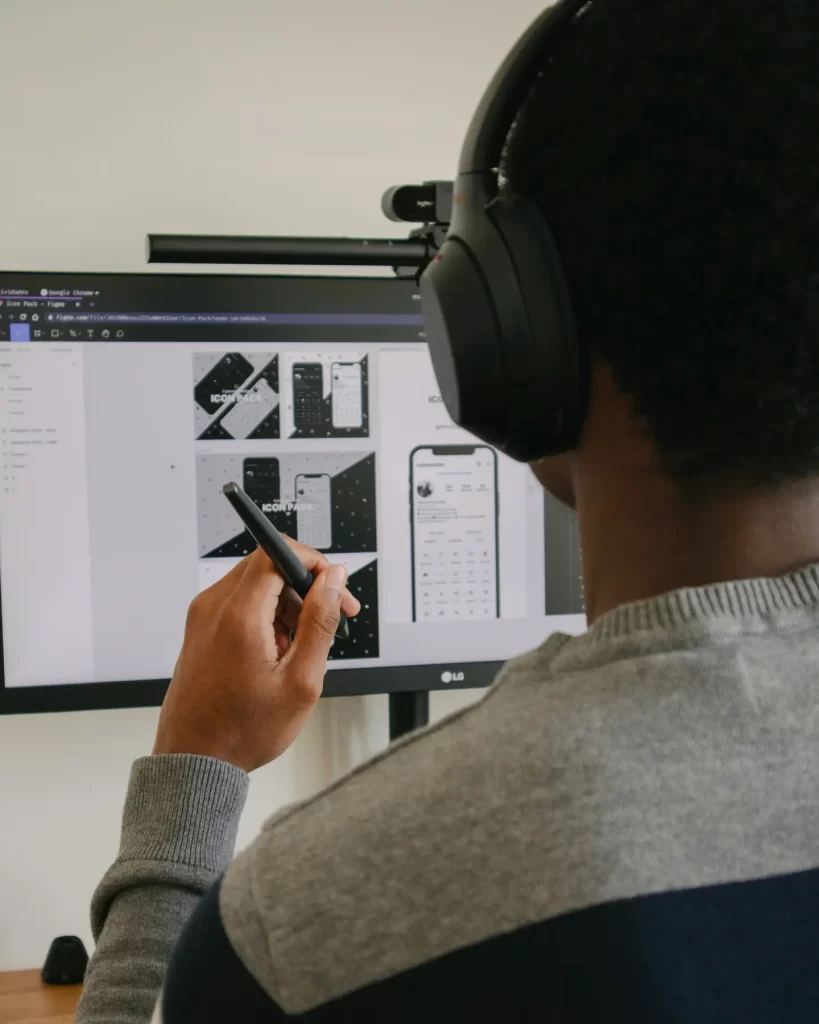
44, 547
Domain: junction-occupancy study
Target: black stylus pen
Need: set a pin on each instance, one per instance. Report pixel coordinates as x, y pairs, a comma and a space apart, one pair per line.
276, 547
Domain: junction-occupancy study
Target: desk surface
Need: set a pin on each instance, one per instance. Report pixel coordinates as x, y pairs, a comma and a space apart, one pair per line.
24, 999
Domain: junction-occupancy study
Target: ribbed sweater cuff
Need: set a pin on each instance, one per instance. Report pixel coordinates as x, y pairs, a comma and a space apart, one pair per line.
183, 808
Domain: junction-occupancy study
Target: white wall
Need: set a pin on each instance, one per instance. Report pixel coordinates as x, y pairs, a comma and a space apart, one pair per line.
231, 116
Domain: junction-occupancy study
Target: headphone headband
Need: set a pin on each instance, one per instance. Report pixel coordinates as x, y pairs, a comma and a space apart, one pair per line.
506, 93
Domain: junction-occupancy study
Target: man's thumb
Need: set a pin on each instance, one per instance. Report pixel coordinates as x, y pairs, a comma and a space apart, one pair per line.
318, 622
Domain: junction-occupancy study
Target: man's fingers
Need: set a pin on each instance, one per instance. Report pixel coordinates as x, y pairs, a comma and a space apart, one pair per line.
255, 587
289, 607
283, 641
350, 605
315, 562
310, 558
306, 661
257, 592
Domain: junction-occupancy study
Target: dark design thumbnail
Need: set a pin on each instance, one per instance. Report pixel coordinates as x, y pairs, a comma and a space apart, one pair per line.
236, 396
324, 499
330, 399
363, 642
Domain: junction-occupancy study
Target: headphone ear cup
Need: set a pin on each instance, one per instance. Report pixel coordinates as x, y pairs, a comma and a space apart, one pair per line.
548, 412
465, 341
501, 332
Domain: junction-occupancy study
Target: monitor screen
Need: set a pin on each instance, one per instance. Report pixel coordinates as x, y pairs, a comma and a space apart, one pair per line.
127, 402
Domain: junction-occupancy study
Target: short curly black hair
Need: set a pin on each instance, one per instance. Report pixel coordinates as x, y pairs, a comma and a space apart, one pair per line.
673, 146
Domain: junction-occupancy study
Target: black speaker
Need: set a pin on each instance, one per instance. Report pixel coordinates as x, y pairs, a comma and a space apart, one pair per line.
66, 962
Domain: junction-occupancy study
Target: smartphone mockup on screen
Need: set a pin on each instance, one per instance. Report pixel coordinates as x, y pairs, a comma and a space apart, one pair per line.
214, 389
260, 480
308, 394
250, 408
314, 510
454, 530
346, 395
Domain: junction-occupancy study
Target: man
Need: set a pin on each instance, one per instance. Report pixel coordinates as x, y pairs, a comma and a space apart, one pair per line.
626, 827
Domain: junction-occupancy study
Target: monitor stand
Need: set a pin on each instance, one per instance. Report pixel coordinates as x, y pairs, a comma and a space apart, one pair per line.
408, 712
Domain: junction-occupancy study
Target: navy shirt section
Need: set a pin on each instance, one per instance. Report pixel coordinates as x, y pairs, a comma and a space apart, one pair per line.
738, 953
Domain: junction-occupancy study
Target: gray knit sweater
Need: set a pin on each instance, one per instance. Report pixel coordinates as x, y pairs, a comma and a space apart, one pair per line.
672, 749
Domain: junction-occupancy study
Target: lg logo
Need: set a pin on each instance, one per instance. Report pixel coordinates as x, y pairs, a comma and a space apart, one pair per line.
452, 677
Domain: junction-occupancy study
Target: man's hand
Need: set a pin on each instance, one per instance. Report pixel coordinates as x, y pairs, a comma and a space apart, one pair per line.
241, 691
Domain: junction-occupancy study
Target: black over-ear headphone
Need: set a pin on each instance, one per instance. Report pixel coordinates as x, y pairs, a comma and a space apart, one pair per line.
496, 306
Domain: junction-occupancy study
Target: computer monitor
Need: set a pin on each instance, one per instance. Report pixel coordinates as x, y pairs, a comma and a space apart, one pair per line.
128, 401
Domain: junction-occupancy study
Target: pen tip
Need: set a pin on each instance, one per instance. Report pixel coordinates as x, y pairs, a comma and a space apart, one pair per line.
229, 488
343, 631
